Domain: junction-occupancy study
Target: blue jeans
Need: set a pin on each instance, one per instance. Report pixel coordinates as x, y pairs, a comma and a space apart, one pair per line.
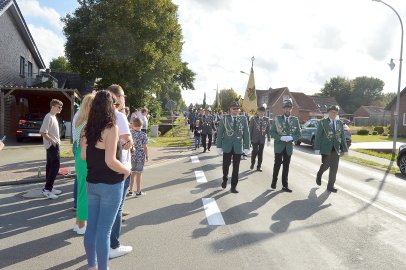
197, 141
115, 231
103, 203
75, 183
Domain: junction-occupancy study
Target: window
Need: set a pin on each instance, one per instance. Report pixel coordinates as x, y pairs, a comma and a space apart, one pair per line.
404, 119
22, 66
264, 100
29, 69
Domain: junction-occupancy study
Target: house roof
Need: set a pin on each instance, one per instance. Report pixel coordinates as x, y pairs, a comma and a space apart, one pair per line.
324, 102
11, 5
373, 109
73, 81
389, 106
305, 102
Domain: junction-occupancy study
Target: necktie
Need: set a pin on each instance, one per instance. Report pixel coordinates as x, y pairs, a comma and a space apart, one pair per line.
235, 121
334, 126
260, 125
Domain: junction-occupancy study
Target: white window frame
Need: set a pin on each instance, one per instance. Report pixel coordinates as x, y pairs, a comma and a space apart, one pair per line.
22, 66
404, 119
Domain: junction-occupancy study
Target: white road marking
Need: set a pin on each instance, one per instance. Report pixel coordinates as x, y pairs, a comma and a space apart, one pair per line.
213, 213
195, 159
386, 210
200, 177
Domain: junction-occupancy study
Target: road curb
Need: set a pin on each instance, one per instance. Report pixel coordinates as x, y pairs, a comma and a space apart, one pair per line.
33, 180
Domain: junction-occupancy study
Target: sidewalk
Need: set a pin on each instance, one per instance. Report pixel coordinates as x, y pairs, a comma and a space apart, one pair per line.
27, 172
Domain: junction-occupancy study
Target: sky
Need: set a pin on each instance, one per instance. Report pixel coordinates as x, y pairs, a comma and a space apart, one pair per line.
296, 43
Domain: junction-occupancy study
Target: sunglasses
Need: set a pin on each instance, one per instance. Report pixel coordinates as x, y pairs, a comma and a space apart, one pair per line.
235, 108
59, 107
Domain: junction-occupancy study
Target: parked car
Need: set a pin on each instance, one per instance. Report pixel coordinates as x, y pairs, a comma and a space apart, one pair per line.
402, 159
29, 126
308, 133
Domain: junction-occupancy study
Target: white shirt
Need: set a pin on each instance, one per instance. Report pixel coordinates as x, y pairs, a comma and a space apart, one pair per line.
75, 117
144, 120
123, 129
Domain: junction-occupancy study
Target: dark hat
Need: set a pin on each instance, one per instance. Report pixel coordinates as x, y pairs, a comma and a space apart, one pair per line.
334, 108
261, 109
287, 103
234, 104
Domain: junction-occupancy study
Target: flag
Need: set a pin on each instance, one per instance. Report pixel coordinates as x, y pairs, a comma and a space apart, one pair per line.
218, 99
249, 104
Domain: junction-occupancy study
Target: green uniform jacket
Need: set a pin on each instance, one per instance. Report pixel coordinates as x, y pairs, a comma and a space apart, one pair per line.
279, 129
326, 138
237, 138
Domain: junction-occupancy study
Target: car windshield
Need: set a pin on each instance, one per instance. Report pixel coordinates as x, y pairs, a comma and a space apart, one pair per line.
35, 116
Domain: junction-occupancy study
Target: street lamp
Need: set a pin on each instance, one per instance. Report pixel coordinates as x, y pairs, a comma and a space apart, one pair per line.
396, 113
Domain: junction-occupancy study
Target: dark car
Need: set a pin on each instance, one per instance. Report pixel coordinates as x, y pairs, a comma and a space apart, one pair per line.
29, 127
402, 159
308, 133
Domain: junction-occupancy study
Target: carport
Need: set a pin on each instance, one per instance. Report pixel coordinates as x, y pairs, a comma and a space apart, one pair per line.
16, 101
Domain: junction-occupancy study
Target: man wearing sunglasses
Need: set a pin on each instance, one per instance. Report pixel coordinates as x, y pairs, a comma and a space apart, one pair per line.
232, 140
117, 250
50, 135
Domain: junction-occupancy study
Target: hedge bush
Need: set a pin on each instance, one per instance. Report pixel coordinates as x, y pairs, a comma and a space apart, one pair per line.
374, 132
379, 130
363, 132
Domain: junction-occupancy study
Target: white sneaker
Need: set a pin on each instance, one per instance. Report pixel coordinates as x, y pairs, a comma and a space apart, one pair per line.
56, 191
76, 228
120, 251
81, 231
49, 194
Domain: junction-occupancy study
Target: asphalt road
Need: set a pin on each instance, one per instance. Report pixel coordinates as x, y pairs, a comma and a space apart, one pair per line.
360, 227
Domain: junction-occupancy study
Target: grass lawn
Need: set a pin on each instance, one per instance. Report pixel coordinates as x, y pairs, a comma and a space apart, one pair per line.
374, 138
181, 138
66, 151
372, 164
376, 153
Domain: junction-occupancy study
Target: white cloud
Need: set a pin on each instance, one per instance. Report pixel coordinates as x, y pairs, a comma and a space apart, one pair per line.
298, 44
49, 44
32, 8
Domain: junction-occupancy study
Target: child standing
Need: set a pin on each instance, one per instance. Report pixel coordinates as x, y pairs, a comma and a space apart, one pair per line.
138, 156
197, 133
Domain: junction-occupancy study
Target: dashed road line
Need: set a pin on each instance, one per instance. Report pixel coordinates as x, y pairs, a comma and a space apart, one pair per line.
200, 177
195, 159
212, 211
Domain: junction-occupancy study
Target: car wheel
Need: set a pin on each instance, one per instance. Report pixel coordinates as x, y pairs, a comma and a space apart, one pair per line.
312, 142
402, 164
298, 142
19, 139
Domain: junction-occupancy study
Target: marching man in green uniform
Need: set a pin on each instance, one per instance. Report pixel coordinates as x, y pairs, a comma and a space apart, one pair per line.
259, 130
329, 142
207, 123
285, 130
232, 140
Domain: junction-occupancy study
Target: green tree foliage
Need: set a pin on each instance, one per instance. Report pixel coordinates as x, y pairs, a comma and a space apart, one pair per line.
60, 64
351, 94
226, 97
136, 43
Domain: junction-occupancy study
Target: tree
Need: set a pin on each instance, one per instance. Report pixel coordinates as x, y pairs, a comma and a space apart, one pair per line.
135, 43
351, 94
226, 97
60, 64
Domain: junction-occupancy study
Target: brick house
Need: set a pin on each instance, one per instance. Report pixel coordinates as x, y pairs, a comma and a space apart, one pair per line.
307, 107
23, 86
323, 103
371, 116
273, 98
402, 113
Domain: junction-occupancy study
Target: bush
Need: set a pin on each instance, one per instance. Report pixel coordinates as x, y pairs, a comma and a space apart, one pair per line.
379, 130
363, 132
374, 132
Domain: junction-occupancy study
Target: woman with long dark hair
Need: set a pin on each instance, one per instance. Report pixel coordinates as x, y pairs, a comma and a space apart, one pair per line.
105, 178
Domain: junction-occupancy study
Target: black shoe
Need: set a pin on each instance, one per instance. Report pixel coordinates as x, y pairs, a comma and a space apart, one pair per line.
224, 184
204, 151
318, 181
252, 166
273, 185
233, 190
286, 189
334, 190
208, 149
259, 170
